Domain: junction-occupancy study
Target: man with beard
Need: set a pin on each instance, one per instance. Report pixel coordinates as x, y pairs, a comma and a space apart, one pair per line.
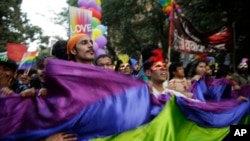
80, 49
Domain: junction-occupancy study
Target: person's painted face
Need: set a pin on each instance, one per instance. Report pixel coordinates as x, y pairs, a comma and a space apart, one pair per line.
125, 69
159, 71
6, 75
179, 72
201, 68
105, 62
84, 49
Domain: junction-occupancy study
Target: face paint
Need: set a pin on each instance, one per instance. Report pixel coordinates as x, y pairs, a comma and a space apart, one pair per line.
124, 66
159, 66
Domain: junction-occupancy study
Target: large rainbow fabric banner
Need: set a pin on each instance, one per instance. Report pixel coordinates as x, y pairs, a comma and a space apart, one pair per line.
80, 21
82, 100
28, 61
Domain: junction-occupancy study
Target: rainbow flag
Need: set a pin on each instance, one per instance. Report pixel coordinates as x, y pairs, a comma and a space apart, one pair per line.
80, 21
28, 61
170, 125
82, 100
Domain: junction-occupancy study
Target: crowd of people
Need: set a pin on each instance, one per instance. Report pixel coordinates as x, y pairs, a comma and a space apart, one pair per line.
164, 78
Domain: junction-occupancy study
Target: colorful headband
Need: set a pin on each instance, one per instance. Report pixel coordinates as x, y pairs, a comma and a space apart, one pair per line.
73, 40
124, 58
157, 57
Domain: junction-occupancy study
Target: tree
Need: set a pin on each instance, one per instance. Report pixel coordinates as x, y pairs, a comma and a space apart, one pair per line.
15, 26
133, 24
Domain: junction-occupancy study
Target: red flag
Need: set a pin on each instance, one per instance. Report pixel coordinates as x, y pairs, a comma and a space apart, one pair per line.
16, 51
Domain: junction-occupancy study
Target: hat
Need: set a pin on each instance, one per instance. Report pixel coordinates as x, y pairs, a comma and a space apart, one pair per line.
133, 62
124, 58
73, 40
9, 63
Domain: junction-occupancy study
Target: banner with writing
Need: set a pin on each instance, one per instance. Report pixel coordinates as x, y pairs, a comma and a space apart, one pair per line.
185, 38
80, 21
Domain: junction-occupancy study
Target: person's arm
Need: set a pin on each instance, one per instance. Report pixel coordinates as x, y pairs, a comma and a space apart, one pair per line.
61, 137
28, 92
7, 91
235, 85
195, 78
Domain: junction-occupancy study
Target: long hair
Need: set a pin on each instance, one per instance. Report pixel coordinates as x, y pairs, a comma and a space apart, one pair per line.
190, 70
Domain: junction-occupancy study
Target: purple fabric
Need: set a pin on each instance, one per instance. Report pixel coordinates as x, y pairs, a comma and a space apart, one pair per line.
218, 108
211, 106
161, 99
64, 99
243, 91
211, 89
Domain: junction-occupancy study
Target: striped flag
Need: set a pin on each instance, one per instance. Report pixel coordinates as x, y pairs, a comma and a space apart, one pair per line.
28, 61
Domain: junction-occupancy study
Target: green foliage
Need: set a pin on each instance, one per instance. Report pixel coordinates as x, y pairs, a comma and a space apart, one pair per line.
44, 51
15, 26
131, 25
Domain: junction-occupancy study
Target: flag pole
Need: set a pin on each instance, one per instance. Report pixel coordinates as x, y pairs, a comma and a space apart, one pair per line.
170, 29
234, 47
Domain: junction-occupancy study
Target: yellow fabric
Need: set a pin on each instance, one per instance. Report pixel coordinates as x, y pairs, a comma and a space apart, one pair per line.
124, 58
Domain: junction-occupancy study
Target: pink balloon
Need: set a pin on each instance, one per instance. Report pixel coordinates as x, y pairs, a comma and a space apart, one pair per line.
101, 41
99, 52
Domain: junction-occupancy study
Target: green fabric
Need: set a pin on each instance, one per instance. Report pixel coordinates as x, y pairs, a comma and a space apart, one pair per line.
170, 125
245, 120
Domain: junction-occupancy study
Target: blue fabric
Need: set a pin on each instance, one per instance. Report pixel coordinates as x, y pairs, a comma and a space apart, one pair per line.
214, 90
213, 119
107, 117
133, 62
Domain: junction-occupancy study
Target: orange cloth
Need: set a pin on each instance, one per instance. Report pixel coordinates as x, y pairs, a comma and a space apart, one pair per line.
73, 40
